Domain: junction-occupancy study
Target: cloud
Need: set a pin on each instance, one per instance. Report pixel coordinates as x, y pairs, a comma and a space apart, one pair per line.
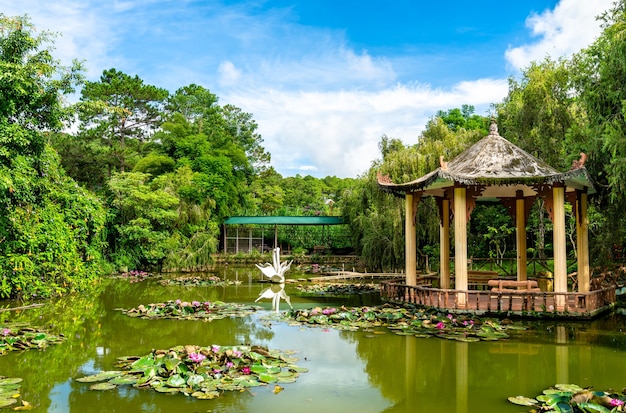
570, 27
338, 132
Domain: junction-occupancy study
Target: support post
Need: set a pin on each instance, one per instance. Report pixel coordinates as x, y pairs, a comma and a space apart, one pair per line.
520, 235
444, 245
460, 243
410, 241
559, 243
582, 241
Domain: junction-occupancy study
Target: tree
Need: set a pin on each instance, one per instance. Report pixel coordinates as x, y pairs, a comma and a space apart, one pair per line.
119, 113
50, 230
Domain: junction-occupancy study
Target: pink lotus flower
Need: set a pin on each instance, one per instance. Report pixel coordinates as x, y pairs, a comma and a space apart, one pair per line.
197, 357
440, 325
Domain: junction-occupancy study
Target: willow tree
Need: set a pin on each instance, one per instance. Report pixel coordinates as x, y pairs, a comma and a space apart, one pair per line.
540, 115
377, 219
599, 79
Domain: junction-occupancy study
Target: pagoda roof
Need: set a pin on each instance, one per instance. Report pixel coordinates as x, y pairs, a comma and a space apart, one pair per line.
497, 165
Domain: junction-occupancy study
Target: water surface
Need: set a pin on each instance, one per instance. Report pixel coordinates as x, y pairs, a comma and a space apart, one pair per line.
348, 371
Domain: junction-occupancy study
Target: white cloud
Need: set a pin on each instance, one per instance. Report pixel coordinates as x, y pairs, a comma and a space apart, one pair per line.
571, 26
229, 74
338, 131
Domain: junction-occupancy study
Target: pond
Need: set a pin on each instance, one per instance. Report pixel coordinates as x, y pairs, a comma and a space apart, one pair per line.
364, 371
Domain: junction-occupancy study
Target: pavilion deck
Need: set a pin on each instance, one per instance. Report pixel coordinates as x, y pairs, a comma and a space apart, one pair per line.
511, 303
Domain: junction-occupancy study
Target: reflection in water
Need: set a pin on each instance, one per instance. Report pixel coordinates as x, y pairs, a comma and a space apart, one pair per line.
348, 371
275, 292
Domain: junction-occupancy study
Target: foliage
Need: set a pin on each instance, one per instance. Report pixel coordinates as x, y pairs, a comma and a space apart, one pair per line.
50, 233
195, 310
573, 398
404, 321
201, 372
19, 337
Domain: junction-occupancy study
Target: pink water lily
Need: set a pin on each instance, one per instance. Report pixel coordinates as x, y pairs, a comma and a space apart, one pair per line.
440, 325
616, 402
197, 357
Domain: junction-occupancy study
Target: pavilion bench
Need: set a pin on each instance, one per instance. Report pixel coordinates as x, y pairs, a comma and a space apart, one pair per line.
502, 289
480, 279
503, 286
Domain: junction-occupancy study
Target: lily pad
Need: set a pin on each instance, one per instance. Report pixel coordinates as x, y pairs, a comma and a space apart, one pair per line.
7, 402
103, 386
203, 372
523, 401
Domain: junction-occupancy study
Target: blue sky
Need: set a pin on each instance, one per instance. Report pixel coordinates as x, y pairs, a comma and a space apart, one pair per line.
324, 79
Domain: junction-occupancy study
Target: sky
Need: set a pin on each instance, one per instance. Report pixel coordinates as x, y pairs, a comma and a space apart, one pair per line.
323, 79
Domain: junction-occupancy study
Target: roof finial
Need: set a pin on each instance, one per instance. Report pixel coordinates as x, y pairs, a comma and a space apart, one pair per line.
493, 128
443, 164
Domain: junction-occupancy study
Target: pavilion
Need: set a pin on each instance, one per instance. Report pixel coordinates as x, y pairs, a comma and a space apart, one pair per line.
494, 169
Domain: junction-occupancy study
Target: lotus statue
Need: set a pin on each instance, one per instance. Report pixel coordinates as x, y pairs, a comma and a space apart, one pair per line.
276, 270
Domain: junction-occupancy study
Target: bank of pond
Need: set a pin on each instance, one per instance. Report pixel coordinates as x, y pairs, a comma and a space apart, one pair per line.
228, 341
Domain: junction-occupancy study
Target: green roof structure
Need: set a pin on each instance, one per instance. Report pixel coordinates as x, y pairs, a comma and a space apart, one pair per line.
284, 220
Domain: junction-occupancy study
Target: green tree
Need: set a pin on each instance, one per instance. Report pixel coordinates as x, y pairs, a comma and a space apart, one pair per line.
119, 114
50, 231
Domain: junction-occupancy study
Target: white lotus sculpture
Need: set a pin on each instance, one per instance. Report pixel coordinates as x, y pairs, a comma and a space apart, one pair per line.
275, 271
275, 293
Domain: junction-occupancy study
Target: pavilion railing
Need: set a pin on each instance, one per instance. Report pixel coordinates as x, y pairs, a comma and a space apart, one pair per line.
520, 302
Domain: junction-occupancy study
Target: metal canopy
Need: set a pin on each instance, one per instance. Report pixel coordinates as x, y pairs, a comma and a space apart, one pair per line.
284, 220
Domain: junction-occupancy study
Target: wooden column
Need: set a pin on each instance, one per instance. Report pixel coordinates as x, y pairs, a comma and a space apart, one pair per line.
520, 235
460, 243
444, 245
410, 241
582, 241
559, 243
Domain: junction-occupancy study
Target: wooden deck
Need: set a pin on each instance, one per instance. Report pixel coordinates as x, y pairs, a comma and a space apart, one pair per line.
518, 303
351, 276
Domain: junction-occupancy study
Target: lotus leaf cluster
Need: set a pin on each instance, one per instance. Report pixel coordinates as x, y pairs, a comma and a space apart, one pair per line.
194, 310
200, 372
405, 321
573, 399
336, 290
10, 393
195, 281
16, 337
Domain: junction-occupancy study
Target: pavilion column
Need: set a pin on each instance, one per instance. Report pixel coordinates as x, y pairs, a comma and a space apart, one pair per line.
410, 241
582, 241
559, 240
460, 243
444, 245
520, 234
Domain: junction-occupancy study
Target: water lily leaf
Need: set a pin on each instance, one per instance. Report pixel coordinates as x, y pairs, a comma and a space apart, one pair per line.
195, 380
176, 381
143, 363
298, 369
592, 407
522, 401
165, 389
10, 381
123, 380
25, 406
102, 386
267, 378
7, 402
205, 395
568, 387
102, 376
283, 379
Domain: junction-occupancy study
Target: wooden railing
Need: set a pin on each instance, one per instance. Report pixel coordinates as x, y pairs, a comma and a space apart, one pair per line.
523, 303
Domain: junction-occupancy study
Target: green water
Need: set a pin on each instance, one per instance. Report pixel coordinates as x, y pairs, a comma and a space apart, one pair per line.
348, 371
